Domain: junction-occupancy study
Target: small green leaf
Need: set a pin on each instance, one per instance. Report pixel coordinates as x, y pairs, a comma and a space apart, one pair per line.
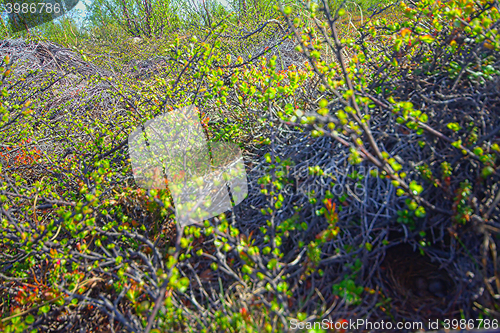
487, 171
454, 126
420, 212
426, 39
412, 205
415, 188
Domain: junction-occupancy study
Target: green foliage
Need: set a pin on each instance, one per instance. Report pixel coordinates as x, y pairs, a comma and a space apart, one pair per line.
147, 19
347, 288
461, 205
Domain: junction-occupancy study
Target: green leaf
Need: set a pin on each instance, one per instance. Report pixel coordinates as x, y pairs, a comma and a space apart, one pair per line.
457, 144
301, 316
454, 127
426, 39
246, 269
272, 264
412, 205
487, 171
420, 212
415, 188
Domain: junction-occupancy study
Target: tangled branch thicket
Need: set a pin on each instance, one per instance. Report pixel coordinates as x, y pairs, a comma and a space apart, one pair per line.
372, 177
